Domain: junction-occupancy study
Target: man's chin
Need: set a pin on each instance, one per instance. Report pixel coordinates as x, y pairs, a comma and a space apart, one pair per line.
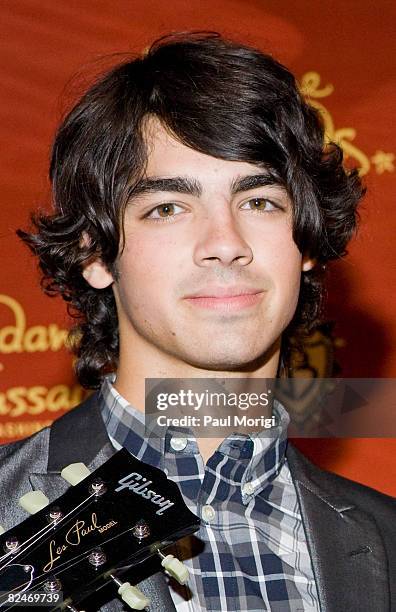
231, 361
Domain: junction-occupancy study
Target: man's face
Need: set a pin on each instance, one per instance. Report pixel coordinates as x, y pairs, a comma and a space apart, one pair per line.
210, 273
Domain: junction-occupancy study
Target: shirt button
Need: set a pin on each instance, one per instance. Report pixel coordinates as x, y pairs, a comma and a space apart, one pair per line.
248, 488
208, 513
178, 444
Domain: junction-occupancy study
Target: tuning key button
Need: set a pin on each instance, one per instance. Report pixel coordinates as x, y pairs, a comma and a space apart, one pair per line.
131, 594
175, 568
134, 598
75, 473
33, 501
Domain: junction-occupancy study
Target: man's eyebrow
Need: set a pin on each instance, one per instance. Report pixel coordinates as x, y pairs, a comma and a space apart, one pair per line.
189, 186
177, 184
253, 181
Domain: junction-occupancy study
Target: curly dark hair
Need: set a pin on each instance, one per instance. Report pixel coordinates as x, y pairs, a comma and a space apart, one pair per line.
221, 98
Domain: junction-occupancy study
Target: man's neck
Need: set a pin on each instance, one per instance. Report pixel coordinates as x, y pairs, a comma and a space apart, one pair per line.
131, 384
134, 369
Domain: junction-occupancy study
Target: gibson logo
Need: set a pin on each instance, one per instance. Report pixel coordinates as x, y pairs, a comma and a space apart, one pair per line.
138, 484
73, 537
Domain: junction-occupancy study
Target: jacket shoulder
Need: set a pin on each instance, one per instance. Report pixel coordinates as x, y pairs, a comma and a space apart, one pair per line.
356, 493
18, 460
74, 429
33, 449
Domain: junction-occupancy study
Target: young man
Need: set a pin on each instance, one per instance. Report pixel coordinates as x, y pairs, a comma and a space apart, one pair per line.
195, 209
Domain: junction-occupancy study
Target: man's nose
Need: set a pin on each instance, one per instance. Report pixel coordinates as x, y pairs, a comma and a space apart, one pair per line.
220, 240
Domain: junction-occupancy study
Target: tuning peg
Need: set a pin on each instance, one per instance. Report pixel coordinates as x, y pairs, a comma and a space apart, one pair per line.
2, 530
33, 501
134, 598
75, 473
175, 568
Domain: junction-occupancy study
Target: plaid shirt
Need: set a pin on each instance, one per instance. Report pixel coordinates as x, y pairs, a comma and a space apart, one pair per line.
250, 553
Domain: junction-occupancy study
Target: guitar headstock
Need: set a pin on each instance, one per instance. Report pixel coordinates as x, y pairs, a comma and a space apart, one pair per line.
111, 520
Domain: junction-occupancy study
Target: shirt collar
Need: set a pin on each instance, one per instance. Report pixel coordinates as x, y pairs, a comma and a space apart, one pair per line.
263, 453
268, 454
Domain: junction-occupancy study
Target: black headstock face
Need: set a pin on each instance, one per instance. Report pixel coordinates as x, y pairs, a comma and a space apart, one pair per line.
118, 516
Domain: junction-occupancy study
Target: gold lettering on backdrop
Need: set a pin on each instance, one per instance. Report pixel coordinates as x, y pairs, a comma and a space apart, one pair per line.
18, 338
311, 89
9, 430
18, 401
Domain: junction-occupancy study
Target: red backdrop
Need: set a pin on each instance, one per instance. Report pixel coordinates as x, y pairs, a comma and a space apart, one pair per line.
348, 45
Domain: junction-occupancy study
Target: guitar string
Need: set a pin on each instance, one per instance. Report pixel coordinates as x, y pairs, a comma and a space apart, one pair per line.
152, 549
35, 540
37, 536
67, 564
153, 546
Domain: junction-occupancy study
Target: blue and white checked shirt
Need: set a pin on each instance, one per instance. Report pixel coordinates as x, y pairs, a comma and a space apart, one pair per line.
250, 553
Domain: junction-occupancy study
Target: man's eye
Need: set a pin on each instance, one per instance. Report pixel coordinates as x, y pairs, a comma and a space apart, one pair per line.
260, 204
164, 211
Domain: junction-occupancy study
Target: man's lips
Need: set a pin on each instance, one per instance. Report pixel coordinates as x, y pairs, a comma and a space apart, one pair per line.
226, 298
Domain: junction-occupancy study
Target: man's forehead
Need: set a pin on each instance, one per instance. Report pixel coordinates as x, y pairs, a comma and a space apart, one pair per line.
171, 165
155, 132
164, 148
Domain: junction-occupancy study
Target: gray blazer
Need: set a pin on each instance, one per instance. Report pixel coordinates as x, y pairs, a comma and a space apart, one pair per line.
350, 528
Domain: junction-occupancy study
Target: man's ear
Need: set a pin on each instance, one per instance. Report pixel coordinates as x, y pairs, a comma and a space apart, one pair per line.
307, 263
97, 275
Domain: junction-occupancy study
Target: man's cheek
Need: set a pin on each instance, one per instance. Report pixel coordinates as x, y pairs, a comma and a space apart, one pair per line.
287, 268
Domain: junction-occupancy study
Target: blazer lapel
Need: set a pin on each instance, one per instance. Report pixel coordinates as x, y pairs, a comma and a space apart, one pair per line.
347, 553
69, 443
53, 485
